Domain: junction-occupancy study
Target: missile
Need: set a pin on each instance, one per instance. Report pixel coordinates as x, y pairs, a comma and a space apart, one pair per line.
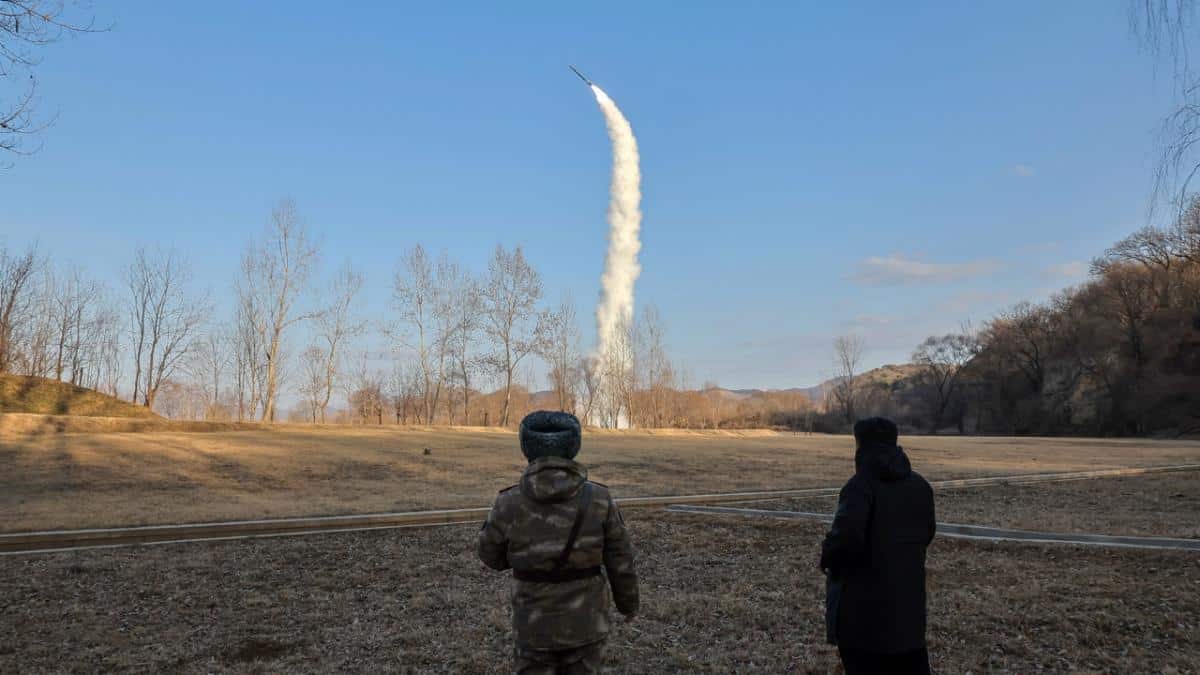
585, 80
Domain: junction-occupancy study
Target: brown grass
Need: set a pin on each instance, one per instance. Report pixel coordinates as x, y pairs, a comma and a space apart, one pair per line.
111, 479
719, 596
1147, 506
1166, 505
40, 396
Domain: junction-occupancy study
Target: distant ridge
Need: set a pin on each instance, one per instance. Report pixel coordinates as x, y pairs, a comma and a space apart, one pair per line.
886, 375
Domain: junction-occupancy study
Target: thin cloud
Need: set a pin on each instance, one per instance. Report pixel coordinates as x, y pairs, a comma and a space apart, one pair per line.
1022, 170
898, 270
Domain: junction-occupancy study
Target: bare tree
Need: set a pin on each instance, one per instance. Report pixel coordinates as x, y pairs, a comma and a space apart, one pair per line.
335, 325
620, 377
25, 27
847, 355
165, 319
74, 297
511, 319
589, 387
107, 343
34, 336
365, 393
464, 298
1168, 29
17, 274
275, 274
715, 397
415, 295
313, 379
248, 365
659, 375
211, 359
562, 353
942, 360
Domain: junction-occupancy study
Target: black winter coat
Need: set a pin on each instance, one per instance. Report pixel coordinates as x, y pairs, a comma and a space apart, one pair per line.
874, 555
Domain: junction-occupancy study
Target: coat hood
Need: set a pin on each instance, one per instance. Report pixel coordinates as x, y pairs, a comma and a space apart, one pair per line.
552, 479
883, 461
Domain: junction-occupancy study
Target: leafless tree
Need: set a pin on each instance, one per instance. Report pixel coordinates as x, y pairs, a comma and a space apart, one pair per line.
1168, 30
335, 325
35, 335
659, 375
847, 356
211, 360
511, 319
107, 345
562, 353
620, 377
589, 387
365, 393
404, 386
165, 319
75, 298
942, 360
25, 27
248, 362
17, 295
313, 379
275, 274
418, 298
180, 400
464, 307
715, 397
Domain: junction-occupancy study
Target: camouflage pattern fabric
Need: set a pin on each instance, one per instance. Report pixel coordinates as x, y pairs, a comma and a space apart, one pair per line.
526, 531
585, 660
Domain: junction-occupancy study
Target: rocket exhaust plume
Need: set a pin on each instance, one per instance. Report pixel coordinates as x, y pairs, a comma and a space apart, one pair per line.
621, 269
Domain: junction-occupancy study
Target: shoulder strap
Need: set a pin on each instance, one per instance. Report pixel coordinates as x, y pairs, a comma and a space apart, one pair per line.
585, 501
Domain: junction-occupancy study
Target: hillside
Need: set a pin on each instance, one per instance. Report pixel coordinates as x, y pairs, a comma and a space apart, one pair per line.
883, 377
40, 396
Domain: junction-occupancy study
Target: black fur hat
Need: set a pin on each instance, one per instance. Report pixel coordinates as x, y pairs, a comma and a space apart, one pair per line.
550, 434
876, 431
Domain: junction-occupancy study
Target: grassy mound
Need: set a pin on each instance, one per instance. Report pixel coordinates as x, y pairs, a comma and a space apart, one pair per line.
40, 396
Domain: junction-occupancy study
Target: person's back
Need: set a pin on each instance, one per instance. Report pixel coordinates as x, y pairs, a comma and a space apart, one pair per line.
556, 530
874, 555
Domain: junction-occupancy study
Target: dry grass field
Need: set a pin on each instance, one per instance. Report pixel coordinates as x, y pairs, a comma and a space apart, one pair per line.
71, 480
720, 595
1165, 505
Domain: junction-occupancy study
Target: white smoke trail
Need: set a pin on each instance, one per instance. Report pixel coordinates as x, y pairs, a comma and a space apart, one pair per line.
621, 269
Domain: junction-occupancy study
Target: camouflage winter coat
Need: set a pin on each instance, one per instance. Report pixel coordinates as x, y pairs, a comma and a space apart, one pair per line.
527, 530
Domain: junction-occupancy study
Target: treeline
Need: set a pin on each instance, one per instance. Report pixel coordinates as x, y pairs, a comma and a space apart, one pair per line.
1120, 354
1117, 355
455, 347
156, 339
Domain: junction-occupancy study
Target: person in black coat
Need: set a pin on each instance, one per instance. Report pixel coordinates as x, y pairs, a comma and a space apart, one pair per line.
874, 558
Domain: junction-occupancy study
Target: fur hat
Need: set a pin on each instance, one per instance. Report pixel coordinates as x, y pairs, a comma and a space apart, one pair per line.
547, 433
875, 431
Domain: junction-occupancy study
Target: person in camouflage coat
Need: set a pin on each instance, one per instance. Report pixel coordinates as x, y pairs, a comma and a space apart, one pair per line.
556, 530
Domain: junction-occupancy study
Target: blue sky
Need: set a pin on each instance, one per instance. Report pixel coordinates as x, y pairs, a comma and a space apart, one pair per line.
809, 169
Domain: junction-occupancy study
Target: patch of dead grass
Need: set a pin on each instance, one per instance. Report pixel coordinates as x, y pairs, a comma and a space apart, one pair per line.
1164, 505
719, 596
114, 479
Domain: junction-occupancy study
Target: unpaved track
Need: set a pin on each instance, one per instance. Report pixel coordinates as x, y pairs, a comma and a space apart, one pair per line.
66, 540
967, 531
